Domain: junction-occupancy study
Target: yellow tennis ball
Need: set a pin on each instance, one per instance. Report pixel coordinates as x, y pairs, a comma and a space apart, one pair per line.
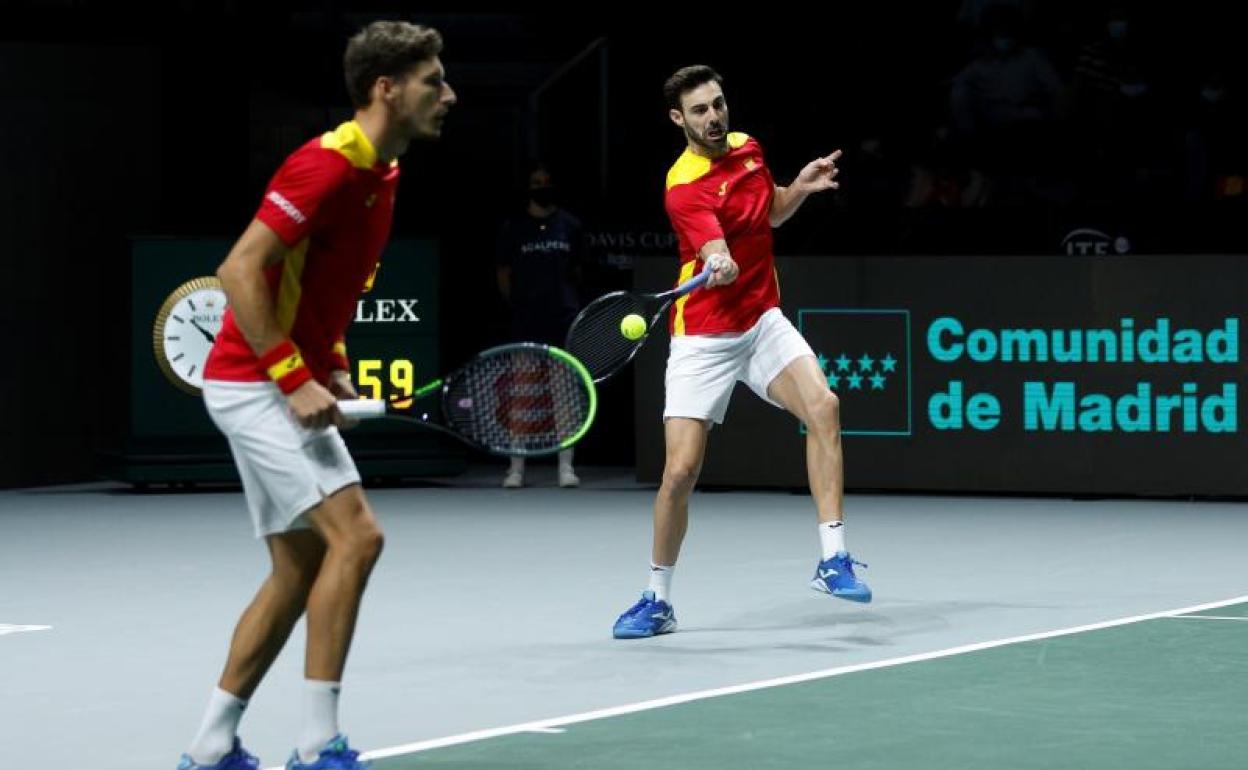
633, 326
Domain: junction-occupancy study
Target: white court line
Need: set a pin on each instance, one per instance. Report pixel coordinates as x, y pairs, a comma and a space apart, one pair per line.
542, 725
9, 628
1210, 617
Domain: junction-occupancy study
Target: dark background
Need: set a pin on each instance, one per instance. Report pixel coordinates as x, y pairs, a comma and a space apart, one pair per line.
119, 120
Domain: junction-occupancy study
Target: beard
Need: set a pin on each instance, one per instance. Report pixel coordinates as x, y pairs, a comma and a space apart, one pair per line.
714, 146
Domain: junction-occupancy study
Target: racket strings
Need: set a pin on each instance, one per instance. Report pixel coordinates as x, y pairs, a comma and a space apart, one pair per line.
519, 401
595, 337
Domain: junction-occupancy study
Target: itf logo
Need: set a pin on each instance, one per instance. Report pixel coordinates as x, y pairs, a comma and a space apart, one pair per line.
865, 355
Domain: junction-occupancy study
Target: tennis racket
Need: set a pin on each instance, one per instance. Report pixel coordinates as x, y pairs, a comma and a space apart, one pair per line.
595, 337
522, 400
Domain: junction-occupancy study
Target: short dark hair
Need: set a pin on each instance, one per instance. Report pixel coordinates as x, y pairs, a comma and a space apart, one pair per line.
386, 49
685, 80
536, 167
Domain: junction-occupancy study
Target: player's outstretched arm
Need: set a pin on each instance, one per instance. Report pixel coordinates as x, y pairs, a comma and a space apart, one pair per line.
818, 175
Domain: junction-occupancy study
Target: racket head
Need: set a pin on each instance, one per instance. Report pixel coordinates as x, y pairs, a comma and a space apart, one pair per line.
520, 400
595, 337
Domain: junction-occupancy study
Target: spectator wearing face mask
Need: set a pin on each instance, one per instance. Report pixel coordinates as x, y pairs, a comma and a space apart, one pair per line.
1108, 62
539, 262
1117, 112
1003, 103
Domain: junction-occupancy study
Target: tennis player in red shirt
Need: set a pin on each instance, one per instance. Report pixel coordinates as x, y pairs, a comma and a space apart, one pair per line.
723, 203
277, 370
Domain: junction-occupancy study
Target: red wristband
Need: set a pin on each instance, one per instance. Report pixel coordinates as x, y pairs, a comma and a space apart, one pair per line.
285, 366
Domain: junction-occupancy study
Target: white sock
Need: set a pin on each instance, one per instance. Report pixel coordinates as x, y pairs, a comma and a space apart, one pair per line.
565, 459
517, 465
831, 538
661, 581
320, 718
216, 733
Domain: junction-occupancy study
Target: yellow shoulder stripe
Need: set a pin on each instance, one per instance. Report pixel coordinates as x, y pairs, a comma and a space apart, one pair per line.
350, 141
690, 168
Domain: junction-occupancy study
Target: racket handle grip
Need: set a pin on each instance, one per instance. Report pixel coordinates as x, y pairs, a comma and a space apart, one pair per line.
694, 282
362, 408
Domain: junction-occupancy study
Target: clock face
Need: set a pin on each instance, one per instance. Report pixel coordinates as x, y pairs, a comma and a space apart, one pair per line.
186, 327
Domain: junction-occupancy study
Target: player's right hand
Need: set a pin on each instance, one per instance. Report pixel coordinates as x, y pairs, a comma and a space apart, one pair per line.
313, 406
724, 270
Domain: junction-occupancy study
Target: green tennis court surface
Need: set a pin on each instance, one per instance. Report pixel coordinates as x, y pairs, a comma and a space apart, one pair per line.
1169, 692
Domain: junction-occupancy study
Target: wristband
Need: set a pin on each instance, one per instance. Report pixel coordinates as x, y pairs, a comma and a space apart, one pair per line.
284, 365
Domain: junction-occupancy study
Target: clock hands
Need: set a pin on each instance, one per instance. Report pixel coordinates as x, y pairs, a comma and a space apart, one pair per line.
207, 334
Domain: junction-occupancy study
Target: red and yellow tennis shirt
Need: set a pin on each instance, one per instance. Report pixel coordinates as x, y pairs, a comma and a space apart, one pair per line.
331, 203
730, 198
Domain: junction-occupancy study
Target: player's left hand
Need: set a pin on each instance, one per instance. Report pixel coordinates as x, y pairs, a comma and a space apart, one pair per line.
820, 174
341, 386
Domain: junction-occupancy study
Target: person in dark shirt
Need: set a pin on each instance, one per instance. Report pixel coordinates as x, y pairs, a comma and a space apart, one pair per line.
539, 255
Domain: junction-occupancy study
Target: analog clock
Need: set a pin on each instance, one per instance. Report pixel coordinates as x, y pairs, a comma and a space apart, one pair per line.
186, 326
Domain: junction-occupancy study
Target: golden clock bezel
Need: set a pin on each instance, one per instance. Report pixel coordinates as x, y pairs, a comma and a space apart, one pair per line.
162, 319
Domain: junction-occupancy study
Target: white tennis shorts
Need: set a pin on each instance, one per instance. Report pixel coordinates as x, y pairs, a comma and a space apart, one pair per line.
286, 469
703, 370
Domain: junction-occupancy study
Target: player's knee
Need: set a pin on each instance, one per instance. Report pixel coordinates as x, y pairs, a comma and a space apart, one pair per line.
369, 542
825, 413
680, 476
359, 544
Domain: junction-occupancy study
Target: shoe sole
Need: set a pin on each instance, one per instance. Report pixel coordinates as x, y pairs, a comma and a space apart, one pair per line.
821, 587
665, 629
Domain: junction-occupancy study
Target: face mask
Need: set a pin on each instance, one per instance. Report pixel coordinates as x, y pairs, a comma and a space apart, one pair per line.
1004, 44
1117, 29
542, 196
